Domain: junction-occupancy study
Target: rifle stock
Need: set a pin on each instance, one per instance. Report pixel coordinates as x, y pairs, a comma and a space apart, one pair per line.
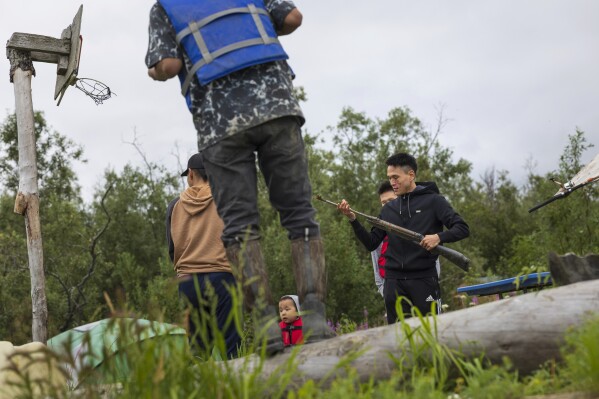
455, 257
451, 255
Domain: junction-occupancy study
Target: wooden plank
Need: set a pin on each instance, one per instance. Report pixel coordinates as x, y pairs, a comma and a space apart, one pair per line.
67, 69
62, 64
45, 57
39, 43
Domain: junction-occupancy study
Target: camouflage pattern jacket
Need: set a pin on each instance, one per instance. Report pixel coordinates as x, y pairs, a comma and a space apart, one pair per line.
236, 102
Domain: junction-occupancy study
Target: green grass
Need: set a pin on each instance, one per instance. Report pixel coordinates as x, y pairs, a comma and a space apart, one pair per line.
581, 354
424, 369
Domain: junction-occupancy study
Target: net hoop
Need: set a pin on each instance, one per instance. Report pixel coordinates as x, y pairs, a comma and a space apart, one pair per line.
95, 89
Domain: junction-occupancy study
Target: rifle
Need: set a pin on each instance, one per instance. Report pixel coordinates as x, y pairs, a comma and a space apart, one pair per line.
451, 255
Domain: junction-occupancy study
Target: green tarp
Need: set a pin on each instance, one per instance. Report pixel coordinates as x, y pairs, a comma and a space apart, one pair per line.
105, 349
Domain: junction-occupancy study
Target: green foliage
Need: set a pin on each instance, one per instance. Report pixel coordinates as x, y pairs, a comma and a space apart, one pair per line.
543, 381
162, 294
422, 356
64, 228
570, 160
55, 155
425, 369
490, 382
15, 313
115, 246
581, 354
133, 245
493, 212
569, 225
137, 205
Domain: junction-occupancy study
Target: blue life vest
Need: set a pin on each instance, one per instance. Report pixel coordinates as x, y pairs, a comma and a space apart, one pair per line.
222, 36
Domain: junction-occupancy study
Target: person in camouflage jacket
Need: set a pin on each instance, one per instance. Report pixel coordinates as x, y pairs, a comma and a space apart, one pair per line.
249, 112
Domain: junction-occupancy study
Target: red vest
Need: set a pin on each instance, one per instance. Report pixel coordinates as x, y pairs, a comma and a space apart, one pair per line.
292, 333
382, 259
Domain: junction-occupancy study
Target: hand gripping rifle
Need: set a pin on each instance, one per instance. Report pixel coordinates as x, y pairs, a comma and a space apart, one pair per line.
451, 255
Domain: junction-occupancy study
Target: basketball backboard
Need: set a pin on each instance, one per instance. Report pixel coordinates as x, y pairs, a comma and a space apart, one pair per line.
68, 66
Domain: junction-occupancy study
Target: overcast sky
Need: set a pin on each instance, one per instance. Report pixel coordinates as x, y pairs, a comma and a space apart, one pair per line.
514, 77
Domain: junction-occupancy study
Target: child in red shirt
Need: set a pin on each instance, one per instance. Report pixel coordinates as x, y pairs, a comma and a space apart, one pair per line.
291, 321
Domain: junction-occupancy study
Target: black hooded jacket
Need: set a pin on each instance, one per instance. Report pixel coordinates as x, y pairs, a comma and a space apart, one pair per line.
424, 211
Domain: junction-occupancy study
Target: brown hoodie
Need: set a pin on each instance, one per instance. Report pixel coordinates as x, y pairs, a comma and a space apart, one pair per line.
196, 232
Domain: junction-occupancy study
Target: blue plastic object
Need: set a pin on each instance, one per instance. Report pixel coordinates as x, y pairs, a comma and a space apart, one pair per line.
533, 280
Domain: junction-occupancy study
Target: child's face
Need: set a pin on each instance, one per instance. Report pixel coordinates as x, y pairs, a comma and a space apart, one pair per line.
287, 311
387, 196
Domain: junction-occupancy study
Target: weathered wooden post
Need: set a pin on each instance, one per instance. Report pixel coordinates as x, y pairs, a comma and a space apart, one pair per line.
22, 49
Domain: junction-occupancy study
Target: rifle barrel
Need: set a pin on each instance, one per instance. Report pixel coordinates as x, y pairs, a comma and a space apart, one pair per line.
335, 204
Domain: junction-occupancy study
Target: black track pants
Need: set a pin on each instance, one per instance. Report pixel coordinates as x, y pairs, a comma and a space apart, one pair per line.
421, 293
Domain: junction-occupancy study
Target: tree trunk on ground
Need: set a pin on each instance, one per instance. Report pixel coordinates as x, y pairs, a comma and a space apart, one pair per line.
27, 202
529, 329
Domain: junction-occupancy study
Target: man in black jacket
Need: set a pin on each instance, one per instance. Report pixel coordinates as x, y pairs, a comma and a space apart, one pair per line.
410, 270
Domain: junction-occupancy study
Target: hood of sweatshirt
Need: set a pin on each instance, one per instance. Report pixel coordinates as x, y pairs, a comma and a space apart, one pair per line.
425, 187
295, 300
422, 188
196, 199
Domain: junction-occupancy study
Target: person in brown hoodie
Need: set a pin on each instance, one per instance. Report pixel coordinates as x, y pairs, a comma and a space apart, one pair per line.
193, 232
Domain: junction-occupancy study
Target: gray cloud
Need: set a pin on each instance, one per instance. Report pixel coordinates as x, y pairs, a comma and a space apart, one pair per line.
515, 77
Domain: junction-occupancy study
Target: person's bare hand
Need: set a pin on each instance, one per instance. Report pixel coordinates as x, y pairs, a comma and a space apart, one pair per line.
165, 69
429, 242
152, 73
344, 208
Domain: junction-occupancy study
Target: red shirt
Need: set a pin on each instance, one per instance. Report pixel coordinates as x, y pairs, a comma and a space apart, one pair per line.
382, 259
292, 333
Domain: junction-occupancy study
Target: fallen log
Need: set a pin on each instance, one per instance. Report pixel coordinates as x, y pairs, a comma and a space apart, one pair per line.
529, 329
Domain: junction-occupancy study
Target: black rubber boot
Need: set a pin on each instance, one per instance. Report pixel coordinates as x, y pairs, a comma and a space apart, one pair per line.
267, 330
249, 268
310, 275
